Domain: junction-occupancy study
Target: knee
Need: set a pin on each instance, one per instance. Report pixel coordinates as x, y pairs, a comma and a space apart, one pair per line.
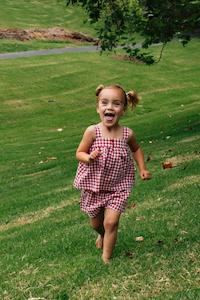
110, 225
95, 226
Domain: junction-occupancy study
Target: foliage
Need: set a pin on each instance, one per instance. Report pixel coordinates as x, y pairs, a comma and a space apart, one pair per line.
157, 21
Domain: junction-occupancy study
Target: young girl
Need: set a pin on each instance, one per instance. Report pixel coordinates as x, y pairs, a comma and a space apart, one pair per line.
106, 171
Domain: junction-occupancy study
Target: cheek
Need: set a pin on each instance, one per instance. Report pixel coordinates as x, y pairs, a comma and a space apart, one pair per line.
122, 111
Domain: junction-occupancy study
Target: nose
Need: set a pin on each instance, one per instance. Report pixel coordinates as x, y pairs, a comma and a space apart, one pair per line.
109, 105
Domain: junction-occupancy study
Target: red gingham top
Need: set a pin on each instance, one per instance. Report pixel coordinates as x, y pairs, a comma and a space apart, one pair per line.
114, 168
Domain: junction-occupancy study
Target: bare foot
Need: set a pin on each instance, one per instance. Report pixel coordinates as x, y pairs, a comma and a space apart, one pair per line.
99, 242
105, 260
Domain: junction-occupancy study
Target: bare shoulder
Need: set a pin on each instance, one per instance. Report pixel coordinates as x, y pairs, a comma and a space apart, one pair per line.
131, 134
90, 132
87, 139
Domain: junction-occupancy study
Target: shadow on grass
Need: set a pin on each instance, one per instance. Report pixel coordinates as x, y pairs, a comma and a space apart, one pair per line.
62, 296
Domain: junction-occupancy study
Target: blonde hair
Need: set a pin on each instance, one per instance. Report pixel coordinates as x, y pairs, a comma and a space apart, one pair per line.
131, 97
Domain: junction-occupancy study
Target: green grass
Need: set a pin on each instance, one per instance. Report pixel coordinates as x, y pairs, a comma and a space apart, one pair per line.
47, 248
31, 14
17, 46
49, 13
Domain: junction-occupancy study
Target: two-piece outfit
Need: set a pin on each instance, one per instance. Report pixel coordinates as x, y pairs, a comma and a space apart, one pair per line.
107, 181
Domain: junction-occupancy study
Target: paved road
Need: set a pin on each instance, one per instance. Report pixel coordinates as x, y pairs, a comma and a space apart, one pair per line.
55, 51
48, 52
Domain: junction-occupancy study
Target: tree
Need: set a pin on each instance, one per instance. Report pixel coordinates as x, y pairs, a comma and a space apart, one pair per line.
156, 21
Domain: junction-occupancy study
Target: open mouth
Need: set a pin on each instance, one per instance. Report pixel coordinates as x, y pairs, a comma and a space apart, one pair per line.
109, 116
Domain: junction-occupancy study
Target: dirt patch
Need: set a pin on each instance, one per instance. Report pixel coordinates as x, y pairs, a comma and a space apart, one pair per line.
177, 160
128, 58
189, 180
55, 34
36, 216
189, 139
15, 103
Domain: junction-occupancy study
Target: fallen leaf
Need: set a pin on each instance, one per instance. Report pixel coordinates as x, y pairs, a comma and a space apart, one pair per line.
167, 165
129, 254
148, 158
51, 158
132, 205
47, 160
160, 242
198, 271
178, 240
139, 239
140, 218
188, 128
183, 232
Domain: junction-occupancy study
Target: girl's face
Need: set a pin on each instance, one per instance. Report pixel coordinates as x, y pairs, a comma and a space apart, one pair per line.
111, 106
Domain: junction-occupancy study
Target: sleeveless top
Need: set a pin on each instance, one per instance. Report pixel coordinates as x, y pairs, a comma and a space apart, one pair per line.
113, 170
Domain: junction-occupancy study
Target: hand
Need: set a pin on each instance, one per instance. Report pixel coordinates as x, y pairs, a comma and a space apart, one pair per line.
94, 155
145, 174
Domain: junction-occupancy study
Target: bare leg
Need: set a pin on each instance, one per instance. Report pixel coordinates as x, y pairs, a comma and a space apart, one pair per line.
111, 221
97, 225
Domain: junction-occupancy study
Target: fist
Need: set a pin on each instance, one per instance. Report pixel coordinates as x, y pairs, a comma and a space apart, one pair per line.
94, 155
145, 174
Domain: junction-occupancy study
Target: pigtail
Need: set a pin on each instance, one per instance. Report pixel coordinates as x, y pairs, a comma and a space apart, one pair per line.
132, 99
99, 89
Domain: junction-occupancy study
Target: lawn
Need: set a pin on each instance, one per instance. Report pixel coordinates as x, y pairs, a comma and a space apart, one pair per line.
52, 13
47, 248
24, 14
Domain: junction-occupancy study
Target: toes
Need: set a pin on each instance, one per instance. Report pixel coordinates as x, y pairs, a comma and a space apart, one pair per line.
99, 242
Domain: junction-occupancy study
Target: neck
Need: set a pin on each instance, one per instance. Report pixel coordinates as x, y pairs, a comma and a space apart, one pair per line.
111, 132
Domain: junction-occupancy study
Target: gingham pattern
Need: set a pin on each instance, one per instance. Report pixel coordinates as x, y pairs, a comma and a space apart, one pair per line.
112, 171
91, 203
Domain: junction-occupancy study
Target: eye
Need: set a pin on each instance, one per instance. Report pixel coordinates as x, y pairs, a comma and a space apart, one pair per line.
117, 103
103, 102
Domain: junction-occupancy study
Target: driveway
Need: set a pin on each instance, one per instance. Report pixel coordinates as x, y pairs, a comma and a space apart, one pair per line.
48, 52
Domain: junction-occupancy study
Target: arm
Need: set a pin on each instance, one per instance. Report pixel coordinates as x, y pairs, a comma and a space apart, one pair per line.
84, 146
138, 156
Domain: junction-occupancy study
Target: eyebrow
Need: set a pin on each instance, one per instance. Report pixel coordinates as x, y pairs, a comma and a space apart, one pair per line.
117, 100
114, 100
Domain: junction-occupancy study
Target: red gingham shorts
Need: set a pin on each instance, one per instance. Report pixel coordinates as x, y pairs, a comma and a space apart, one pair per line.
92, 202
